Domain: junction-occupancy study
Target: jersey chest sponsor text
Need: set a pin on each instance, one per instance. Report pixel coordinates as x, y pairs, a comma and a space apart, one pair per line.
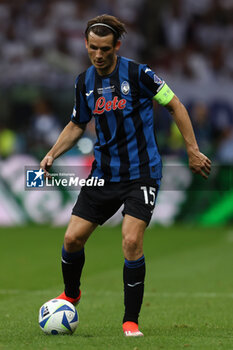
102, 105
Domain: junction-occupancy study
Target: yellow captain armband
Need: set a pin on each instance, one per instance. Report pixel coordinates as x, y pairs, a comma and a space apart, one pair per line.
164, 96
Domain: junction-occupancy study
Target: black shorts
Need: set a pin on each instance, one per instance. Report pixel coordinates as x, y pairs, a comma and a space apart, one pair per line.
98, 203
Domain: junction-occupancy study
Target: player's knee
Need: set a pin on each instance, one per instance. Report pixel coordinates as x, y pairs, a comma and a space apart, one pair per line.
131, 245
73, 242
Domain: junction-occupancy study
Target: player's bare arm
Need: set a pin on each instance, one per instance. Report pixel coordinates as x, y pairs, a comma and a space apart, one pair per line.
198, 162
66, 140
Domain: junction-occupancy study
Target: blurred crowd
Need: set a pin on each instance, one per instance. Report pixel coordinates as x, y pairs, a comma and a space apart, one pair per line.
42, 50
192, 39
42, 41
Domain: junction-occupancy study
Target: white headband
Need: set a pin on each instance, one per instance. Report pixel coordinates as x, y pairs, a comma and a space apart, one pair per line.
104, 25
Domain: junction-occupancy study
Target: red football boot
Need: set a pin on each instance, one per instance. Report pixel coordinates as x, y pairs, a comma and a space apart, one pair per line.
130, 329
73, 301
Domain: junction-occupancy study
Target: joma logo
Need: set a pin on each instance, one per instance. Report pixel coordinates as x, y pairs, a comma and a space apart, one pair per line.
101, 105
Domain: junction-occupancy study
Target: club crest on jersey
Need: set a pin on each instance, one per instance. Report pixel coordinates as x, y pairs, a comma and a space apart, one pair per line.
125, 87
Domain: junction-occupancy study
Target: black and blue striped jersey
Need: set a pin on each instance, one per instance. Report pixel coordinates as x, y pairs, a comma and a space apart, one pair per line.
122, 106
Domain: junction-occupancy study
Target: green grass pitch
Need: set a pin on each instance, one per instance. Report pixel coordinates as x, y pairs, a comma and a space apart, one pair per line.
188, 300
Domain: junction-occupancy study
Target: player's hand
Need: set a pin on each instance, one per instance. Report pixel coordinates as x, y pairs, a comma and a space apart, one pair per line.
46, 164
200, 164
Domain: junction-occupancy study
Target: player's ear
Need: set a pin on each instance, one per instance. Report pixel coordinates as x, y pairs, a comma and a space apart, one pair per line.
118, 45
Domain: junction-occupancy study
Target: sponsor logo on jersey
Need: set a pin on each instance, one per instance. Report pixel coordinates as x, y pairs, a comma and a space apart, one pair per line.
125, 87
102, 105
89, 93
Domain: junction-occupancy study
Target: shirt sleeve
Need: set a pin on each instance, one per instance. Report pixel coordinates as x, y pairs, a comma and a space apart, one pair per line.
155, 87
81, 113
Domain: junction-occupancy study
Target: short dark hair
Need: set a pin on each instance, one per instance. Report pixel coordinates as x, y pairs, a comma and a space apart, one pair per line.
113, 26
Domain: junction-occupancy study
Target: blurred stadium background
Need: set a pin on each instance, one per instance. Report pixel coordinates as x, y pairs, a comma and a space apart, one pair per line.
187, 42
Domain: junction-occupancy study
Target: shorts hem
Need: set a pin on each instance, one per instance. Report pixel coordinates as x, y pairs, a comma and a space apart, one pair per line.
88, 218
147, 220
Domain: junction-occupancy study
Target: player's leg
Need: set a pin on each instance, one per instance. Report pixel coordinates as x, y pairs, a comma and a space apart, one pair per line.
134, 272
139, 203
93, 207
73, 256
77, 233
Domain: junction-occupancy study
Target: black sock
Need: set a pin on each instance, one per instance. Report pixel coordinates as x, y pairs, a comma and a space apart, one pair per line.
72, 265
133, 276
